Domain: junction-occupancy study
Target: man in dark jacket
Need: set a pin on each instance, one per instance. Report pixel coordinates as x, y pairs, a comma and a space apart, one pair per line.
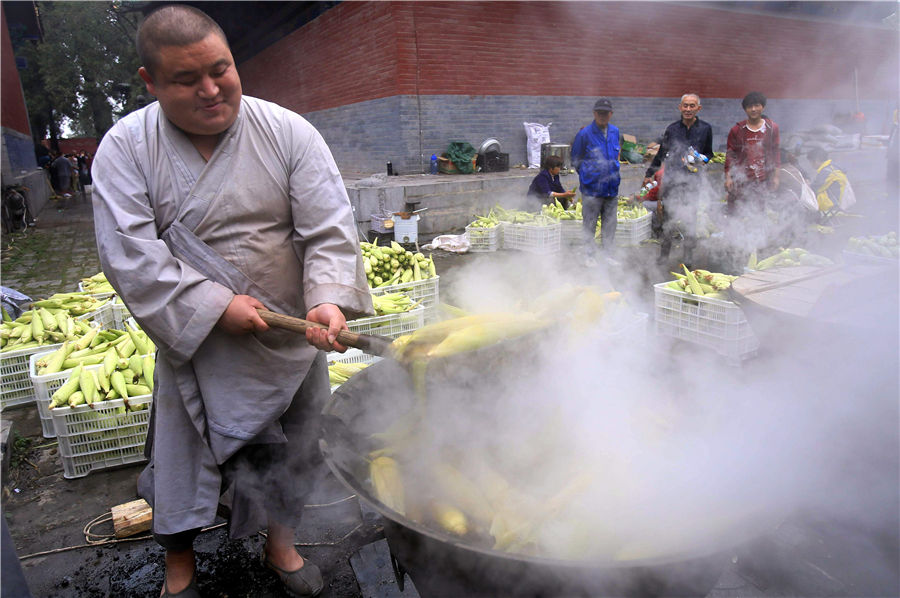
595, 155
683, 181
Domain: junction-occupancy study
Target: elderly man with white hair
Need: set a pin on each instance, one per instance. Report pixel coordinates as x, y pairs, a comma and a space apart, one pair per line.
682, 183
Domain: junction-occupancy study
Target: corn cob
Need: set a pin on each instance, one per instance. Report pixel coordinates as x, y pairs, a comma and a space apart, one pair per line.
148, 367
62, 394
450, 518
388, 483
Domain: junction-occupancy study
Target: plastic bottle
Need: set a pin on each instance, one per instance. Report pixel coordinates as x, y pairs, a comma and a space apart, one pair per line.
434, 164
698, 155
648, 188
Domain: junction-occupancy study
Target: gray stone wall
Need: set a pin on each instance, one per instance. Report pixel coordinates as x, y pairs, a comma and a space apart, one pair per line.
407, 130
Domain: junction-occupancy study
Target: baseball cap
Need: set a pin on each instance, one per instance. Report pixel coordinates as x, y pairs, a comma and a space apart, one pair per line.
603, 104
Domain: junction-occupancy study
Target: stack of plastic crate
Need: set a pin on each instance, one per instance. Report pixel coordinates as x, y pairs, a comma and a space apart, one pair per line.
102, 435
424, 292
714, 323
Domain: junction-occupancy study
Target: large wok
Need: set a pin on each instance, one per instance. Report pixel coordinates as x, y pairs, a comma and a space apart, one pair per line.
441, 564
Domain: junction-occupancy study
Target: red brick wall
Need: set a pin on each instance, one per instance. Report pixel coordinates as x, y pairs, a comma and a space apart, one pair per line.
13, 113
366, 50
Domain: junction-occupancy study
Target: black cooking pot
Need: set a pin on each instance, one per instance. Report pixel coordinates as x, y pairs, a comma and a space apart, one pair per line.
444, 565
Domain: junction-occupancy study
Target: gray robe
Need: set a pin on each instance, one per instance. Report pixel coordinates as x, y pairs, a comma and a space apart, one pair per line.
271, 202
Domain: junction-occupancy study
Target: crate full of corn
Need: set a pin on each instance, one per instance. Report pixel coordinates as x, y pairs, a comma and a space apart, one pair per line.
343, 366
695, 308
102, 354
570, 222
36, 331
395, 314
97, 286
633, 223
484, 233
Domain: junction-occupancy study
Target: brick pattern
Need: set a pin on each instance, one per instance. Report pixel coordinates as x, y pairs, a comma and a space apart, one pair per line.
359, 51
13, 114
397, 81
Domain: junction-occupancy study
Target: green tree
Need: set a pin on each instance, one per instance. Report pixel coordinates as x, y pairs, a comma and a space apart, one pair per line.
85, 70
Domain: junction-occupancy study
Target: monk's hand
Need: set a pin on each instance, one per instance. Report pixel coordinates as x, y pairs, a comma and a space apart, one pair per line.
330, 315
240, 316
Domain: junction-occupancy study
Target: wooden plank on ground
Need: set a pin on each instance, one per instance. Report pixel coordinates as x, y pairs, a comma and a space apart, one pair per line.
132, 518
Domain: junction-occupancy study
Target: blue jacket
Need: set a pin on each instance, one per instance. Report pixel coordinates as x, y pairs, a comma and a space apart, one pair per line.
596, 158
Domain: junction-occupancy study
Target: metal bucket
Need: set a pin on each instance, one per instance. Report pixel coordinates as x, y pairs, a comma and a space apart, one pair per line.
557, 149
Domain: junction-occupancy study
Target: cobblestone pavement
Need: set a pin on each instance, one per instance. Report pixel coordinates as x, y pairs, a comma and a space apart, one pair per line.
55, 254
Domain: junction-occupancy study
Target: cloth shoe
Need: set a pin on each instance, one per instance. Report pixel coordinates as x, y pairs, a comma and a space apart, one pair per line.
191, 591
305, 582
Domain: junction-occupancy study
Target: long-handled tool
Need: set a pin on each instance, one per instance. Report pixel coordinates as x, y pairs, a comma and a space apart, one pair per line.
369, 343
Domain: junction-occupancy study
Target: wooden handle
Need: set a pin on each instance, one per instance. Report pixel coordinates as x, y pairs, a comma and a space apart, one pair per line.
345, 337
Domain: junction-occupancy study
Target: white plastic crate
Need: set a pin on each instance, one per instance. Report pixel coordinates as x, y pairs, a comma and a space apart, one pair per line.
483, 239
104, 316
571, 232
99, 436
392, 325
121, 315
44, 387
16, 387
425, 292
352, 355
714, 323
630, 232
94, 295
532, 238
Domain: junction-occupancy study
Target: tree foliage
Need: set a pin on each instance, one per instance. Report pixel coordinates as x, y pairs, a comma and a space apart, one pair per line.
84, 71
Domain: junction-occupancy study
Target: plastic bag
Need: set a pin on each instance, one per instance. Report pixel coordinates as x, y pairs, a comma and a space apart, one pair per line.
537, 134
454, 243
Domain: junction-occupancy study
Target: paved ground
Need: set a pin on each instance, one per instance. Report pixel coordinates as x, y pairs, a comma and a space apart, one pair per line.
47, 513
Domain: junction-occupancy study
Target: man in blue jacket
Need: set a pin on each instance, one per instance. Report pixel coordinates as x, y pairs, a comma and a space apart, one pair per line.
595, 155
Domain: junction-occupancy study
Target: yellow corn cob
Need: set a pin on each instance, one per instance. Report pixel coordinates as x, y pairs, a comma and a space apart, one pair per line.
148, 367
62, 394
136, 364
388, 483
137, 390
692, 281
482, 335
450, 518
48, 320
85, 341
76, 398
458, 489
117, 381
37, 328
87, 386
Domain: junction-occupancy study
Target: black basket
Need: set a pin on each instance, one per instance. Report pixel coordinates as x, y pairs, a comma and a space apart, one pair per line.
492, 162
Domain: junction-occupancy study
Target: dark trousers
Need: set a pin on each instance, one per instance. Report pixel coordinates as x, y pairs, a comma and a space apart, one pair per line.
604, 208
274, 478
679, 216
